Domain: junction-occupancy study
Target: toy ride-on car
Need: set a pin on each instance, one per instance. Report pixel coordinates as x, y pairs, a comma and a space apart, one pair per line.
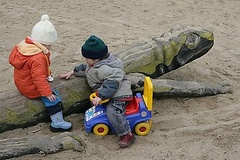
138, 114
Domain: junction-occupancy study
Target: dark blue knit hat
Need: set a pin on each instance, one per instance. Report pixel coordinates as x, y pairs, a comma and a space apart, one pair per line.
94, 48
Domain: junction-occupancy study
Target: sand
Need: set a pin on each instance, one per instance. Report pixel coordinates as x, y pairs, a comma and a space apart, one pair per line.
203, 128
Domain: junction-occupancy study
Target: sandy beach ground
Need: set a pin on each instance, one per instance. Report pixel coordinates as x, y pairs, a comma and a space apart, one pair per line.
203, 128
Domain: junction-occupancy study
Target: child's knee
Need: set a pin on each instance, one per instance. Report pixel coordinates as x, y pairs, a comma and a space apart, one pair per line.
116, 108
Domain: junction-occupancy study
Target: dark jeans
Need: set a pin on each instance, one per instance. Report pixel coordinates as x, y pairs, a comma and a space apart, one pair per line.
116, 116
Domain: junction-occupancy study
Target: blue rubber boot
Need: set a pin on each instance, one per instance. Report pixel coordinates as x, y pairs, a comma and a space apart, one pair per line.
58, 124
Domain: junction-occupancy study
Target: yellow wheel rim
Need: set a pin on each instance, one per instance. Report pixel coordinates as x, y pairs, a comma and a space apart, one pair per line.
142, 129
100, 129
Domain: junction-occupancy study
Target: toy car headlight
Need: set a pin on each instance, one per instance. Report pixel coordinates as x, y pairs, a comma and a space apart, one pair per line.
143, 113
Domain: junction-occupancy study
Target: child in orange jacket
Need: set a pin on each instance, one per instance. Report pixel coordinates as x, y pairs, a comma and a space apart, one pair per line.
30, 59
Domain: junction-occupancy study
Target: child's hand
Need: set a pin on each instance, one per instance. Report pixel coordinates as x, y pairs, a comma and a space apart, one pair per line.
66, 75
96, 101
52, 97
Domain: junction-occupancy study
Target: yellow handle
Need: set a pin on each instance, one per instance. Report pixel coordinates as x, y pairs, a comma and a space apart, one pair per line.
93, 95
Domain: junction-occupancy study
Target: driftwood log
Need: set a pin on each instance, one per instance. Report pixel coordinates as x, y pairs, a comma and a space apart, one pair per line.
16, 147
154, 58
162, 54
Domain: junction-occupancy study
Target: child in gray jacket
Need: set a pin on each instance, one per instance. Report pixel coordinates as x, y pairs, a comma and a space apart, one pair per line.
105, 75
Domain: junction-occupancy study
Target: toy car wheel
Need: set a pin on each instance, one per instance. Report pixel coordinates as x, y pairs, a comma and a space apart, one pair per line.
142, 129
100, 129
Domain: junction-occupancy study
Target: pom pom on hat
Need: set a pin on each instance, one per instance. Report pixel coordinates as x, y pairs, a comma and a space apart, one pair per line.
45, 17
94, 48
44, 32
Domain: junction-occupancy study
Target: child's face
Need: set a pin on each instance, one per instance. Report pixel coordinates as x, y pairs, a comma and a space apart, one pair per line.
91, 62
47, 46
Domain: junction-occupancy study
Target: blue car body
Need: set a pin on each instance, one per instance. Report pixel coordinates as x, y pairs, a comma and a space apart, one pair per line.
136, 112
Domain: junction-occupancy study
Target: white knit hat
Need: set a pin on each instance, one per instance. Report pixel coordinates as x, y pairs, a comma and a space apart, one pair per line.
44, 31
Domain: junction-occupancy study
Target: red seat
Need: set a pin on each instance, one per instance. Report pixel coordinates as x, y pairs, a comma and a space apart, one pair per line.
133, 106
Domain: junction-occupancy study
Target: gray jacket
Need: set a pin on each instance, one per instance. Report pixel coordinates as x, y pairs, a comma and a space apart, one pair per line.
107, 78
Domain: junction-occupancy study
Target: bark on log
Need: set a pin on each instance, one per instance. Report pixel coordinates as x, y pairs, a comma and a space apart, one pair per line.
154, 58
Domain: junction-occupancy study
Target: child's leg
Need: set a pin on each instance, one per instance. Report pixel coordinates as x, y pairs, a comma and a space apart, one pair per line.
54, 110
117, 118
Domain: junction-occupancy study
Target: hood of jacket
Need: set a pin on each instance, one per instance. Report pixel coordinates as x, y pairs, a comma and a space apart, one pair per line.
111, 61
23, 51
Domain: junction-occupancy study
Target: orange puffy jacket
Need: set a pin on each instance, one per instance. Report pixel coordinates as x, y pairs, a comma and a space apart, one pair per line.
31, 68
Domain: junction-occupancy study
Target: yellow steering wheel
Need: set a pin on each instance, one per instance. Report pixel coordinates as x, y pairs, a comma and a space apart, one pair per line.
93, 95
